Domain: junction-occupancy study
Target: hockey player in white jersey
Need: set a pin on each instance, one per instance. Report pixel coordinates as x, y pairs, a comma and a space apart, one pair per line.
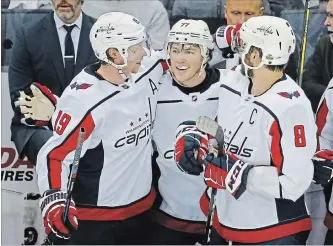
152, 65
116, 106
323, 159
270, 138
188, 91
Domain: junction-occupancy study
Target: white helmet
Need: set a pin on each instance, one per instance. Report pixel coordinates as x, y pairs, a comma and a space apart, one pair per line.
192, 32
273, 35
116, 30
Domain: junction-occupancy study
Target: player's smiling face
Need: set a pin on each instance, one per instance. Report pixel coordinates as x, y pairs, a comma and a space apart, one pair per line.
186, 60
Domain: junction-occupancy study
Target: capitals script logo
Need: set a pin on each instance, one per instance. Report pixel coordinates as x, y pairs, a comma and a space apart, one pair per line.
82, 86
290, 95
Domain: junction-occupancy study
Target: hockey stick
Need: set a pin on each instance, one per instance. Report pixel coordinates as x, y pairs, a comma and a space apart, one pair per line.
301, 61
73, 175
211, 127
71, 182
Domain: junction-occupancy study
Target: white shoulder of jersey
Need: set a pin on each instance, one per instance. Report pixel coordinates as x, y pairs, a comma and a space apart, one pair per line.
83, 96
284, 95
85, 91
233, 79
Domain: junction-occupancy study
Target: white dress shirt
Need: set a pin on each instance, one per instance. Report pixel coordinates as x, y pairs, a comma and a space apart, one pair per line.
62, 33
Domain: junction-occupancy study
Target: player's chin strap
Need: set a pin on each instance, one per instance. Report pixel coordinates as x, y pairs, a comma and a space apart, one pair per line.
120, 68
247, 67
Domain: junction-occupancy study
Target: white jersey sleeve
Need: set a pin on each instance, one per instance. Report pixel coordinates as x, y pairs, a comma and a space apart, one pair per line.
324, 119
292, 147
57, 154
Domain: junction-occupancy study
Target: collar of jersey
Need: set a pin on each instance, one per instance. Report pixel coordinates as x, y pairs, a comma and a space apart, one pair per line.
212, 77
284, 77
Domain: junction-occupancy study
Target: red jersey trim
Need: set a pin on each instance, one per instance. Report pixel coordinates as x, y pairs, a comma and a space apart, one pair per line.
258, 235
59, 153
321, 120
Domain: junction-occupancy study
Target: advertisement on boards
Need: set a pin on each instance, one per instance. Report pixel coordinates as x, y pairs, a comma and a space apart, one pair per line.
21, 217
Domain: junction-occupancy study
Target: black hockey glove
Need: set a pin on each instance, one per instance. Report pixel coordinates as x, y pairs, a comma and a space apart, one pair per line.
191, 147
323, 167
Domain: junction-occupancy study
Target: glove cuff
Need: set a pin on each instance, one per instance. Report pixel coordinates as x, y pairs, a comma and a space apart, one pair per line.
50, 198
223, 36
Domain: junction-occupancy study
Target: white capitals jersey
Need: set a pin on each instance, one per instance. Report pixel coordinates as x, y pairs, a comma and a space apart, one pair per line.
114, 175
324, 121
276, 133
180, 208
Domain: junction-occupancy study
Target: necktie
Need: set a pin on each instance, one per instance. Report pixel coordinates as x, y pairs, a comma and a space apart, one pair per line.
69, 54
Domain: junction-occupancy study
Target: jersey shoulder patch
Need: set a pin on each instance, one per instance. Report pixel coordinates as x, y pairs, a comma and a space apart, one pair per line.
79, 86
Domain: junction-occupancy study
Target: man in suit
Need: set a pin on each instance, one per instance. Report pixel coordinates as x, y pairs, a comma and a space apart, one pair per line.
50, 51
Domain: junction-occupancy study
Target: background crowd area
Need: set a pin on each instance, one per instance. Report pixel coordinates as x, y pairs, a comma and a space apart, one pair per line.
159, 15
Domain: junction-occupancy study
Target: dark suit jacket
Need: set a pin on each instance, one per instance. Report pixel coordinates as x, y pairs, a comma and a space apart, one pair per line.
37, 57
318, 71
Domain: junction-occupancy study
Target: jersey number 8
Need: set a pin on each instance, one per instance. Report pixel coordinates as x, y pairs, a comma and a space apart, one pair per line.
300, 140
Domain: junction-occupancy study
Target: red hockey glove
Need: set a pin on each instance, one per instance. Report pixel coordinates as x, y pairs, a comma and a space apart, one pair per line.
52, 205
236, 179
323, 167
191, 147
217, 169
36, 104
227, 39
